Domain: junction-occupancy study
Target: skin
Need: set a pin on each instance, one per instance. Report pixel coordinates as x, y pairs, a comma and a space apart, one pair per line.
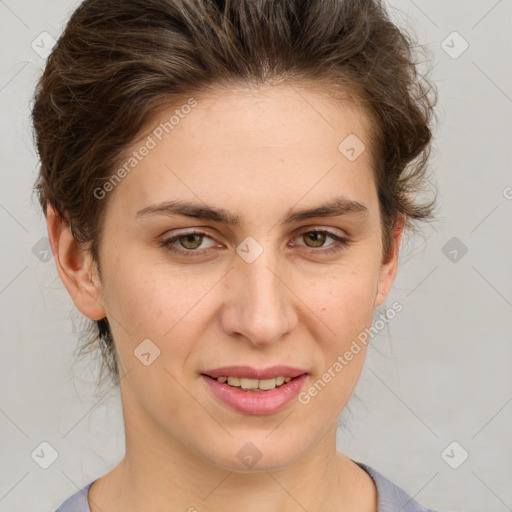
257, 153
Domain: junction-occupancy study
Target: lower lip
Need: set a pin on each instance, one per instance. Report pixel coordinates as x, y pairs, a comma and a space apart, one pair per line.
257, 402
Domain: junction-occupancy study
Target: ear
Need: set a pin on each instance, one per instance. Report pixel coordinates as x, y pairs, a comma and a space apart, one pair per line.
389, 266
75, 266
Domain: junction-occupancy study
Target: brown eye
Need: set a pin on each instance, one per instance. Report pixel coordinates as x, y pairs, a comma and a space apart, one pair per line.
317, 238
191, 241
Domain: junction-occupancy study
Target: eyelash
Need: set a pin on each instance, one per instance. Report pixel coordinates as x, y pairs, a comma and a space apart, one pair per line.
168, 243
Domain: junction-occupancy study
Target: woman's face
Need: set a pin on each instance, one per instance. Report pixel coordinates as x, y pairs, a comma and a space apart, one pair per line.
281, 276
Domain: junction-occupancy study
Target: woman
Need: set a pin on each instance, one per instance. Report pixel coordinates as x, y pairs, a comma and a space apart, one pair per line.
226, 185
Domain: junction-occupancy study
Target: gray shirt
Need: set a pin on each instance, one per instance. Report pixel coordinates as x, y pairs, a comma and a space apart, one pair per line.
389, 496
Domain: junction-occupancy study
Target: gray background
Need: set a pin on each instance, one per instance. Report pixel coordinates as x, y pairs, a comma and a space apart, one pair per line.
440, 374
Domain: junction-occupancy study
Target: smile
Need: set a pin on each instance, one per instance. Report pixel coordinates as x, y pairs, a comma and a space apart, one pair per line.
250, 391
254, 384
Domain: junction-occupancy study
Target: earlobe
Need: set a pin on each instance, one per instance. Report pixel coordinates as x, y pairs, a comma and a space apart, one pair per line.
75, 267
389, 267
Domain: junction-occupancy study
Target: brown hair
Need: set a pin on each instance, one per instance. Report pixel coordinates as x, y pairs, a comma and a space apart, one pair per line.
118, 63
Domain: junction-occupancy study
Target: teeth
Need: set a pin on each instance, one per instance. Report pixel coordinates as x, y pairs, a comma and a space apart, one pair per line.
267, 384
249, 383
254, 384
233, 381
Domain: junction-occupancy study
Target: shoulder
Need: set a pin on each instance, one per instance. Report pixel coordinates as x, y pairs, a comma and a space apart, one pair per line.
77, 502
390, 496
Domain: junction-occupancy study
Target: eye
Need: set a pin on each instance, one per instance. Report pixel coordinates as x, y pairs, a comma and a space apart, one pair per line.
317, 238
186, 243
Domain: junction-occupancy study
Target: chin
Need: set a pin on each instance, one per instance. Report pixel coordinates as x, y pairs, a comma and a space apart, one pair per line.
254, 454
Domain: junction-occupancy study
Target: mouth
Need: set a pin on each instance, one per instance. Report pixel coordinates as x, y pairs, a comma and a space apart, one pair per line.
253, 391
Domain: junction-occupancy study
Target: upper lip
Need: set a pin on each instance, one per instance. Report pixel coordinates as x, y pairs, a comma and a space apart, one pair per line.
249, 372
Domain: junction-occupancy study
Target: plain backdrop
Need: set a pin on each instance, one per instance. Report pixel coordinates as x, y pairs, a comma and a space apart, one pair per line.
433, 408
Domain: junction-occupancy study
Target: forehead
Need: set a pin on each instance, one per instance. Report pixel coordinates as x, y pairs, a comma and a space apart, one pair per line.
251, 146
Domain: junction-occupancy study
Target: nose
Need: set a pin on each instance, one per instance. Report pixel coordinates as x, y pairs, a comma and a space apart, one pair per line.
259, 304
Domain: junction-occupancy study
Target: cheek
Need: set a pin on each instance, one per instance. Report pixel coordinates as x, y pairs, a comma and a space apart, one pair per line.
151, 302
144, 292
344, 302
167, 310
345, 307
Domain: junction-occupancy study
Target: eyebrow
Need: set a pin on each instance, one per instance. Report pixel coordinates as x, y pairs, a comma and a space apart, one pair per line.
337, 207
